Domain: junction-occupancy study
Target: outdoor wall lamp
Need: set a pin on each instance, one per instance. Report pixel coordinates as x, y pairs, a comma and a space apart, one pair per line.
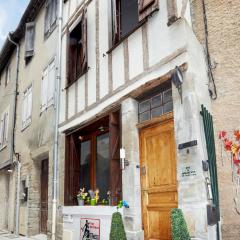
123, 161
177, 80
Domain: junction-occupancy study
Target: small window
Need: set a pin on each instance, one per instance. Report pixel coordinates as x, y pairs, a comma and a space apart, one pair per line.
27, 108
48, 86
4, 129
155, 105
50, 16
77, 51
29, 40
128, 14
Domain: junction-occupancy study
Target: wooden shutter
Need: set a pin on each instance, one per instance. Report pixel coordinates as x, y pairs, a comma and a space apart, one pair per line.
44, 90
146, 7
72, 171
172, 11
24, 111
29, 39
84, 40
51, 83
29, 105
47, 23
6, 119
114, 145
115, 21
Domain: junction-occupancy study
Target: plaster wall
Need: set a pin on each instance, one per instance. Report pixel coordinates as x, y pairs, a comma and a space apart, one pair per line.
35, 142
223, 36
111, 72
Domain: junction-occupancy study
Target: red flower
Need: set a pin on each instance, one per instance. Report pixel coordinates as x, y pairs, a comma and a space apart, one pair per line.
222, 134
236, 161
237, 135
227, 144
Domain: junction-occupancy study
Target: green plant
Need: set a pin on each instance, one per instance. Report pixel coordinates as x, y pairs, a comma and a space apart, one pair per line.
178, 225
82, 194
117, 227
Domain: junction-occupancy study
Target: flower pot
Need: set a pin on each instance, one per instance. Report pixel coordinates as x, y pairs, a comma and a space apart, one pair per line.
80, 202
93, 202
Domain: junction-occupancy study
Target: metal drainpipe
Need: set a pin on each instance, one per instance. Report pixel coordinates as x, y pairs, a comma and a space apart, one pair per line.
12, 151
56, 135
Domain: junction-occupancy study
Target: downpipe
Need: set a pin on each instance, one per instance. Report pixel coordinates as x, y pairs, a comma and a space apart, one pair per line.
56, 135
12, 151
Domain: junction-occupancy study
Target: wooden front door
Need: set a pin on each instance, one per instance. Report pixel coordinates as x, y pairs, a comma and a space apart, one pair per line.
44, 196
158, 179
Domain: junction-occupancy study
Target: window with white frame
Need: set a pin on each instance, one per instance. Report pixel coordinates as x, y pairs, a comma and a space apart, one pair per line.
4, 129
27, 108
48, 86
50, 16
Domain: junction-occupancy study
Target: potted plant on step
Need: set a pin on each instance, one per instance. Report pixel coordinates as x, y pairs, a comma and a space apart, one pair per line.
81, 196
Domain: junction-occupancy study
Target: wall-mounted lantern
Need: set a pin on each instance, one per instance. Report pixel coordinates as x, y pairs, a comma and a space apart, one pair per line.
177, 80
123, 160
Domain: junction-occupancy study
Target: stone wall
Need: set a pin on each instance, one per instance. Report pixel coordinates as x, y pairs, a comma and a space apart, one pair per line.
224, 37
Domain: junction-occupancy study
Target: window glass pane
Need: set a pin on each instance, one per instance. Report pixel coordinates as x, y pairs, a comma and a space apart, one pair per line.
102, 165
144, 106
85, 165
168, 107
157, 101
129, 16
167, 96
157, 112
144, 116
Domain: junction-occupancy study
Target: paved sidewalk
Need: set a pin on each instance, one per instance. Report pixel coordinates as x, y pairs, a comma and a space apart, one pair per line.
6, 236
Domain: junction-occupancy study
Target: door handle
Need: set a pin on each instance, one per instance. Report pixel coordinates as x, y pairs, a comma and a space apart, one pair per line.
143, 170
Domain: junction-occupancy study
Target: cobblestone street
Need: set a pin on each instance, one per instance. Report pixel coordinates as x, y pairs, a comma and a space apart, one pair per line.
5, 235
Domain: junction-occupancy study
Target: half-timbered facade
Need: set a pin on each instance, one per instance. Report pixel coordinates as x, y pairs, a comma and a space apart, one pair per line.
134, 78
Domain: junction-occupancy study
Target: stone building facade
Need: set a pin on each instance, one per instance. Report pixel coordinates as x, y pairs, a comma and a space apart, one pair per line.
36, 37
223, 35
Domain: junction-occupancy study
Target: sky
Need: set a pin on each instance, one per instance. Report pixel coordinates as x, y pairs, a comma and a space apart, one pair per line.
10, 14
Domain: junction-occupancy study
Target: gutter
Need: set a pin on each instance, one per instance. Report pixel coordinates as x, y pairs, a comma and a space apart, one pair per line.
56, 132
12, 147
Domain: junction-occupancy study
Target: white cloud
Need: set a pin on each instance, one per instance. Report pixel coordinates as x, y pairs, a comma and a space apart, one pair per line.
3, 20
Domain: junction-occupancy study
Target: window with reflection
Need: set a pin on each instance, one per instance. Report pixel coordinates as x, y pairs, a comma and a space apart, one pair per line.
155, 103
93, 162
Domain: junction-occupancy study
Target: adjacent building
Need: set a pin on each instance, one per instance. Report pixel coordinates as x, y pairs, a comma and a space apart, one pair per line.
28, 68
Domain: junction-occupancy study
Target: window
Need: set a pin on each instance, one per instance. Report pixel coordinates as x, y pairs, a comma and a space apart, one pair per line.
155, 105
8, 75
50, 16
93, 161
128, 14
29, 40
48, 86
77, 50
4, 129
27, 108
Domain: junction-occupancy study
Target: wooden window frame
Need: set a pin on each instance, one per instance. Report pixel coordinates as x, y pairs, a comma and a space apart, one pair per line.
144, 10
48, 16
29, 53
111, 124
72, 56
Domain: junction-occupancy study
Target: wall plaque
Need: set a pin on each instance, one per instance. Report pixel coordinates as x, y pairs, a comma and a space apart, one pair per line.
188, 171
